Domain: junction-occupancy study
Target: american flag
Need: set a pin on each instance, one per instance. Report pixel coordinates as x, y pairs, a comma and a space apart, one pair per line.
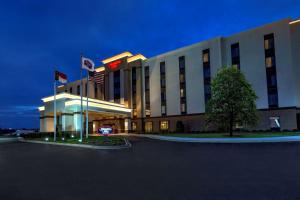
98, 77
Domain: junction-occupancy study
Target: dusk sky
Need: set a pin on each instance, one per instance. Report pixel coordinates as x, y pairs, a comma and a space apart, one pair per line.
38, 36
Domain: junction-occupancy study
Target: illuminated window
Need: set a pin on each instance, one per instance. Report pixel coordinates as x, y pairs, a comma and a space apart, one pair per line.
269, 43
164, 125
206, 57
182, 93
148, 127
270, 62
133, 126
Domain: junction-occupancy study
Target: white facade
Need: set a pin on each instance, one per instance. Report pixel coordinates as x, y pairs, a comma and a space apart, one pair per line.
252, 62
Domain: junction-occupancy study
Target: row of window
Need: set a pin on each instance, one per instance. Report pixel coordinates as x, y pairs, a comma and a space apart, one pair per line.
235, 60
148, 126
78, 90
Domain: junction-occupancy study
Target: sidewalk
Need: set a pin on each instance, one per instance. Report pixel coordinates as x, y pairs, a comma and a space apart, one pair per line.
88, 146
220, 140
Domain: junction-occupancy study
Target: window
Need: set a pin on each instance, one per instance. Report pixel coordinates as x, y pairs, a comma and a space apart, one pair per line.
148, 127
163, 109
117, 88
71, 90
96, 90
164, 125
133, 126
182, 89
78, 89
269, 42
182, 93
270, 63
235, 55
163, 95
181, 78
206, 57
183, 107
133, 88
206, 74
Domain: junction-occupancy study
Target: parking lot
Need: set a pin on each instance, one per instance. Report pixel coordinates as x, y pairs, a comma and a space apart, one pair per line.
151, 169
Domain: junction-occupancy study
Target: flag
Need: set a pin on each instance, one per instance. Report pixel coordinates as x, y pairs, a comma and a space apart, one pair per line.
61, 77
87, 64
98, 77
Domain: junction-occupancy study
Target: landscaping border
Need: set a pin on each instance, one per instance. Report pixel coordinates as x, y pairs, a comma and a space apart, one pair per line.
88, 146
221, 140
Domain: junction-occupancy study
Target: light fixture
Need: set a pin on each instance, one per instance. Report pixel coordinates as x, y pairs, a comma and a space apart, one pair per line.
46, 139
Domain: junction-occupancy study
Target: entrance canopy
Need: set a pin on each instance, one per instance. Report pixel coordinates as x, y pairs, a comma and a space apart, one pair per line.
71, 103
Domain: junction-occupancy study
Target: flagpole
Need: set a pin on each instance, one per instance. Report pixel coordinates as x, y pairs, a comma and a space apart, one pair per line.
54, 123
87, 106
81, 107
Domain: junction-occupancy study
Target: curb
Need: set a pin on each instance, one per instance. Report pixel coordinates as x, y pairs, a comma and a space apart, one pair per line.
127, 145
221, 140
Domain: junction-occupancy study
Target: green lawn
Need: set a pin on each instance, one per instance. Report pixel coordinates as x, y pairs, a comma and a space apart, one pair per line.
235, 135
92, 140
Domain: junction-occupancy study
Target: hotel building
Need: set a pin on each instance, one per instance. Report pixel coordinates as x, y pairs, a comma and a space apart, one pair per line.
156, 94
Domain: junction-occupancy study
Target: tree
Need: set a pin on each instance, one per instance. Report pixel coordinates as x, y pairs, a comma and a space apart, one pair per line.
232, 101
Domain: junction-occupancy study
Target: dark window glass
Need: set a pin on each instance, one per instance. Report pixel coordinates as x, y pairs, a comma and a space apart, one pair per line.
147, 91
270, 63
163, 88
78, 89
182, 89
117, 89
133, 88
206, 74
71, 90
96, 90
162, 68
235, 55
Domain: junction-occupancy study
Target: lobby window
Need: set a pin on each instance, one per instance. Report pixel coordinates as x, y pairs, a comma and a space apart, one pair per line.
206, 74
133, 89
133, 126
164, 125
148, 127
270, 63
235, 55
182, 84
71, 90
117, 87
163, 88
78, 89
96, 90
147, 91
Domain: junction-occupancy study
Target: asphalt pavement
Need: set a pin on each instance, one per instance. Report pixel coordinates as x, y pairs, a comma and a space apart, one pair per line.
151, 169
